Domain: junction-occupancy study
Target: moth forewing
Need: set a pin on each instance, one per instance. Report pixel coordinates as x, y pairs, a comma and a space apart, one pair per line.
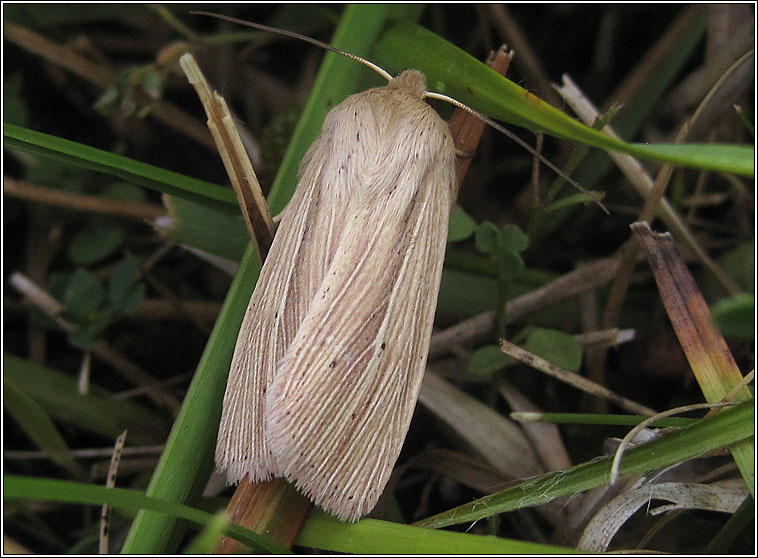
289, 277
343, 394
241, 448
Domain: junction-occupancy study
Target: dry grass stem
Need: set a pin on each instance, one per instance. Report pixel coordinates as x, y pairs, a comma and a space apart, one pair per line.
237, 163
110, 482
572, 379
585, 278
204, 311
466, 129
273, 508
81, 202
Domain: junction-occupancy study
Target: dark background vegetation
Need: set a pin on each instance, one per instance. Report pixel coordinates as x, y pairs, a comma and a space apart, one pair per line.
598, 45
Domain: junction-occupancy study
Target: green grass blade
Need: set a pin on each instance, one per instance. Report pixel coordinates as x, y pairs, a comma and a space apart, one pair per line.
738, 159
737, 522
36, 423
207, 540
371, 536
727, 427
51, 490
600, 419
453, 72
205, 228
97, 412
127, 169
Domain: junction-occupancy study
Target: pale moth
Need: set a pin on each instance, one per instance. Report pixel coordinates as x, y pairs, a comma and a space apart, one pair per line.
333, 345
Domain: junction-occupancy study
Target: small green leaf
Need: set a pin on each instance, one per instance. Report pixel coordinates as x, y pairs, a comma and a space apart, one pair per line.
47, 172
84, 337
123, 288
84, 294
486, 240
107, 101
153, 82
488, 359
57, 175
735, 316
559, 348
132, 300
95, 243
57, 284
461, 226
514, 238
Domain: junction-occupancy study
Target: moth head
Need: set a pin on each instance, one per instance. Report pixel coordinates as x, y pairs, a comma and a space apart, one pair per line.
410, 80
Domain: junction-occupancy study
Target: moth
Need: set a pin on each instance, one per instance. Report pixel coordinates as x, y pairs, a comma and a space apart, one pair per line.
333, 345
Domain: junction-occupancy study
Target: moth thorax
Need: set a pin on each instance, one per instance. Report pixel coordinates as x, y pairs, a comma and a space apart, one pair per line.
410, 80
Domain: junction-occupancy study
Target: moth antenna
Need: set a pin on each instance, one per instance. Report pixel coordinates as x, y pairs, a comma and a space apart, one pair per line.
428, 94
506, 132
305, 38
